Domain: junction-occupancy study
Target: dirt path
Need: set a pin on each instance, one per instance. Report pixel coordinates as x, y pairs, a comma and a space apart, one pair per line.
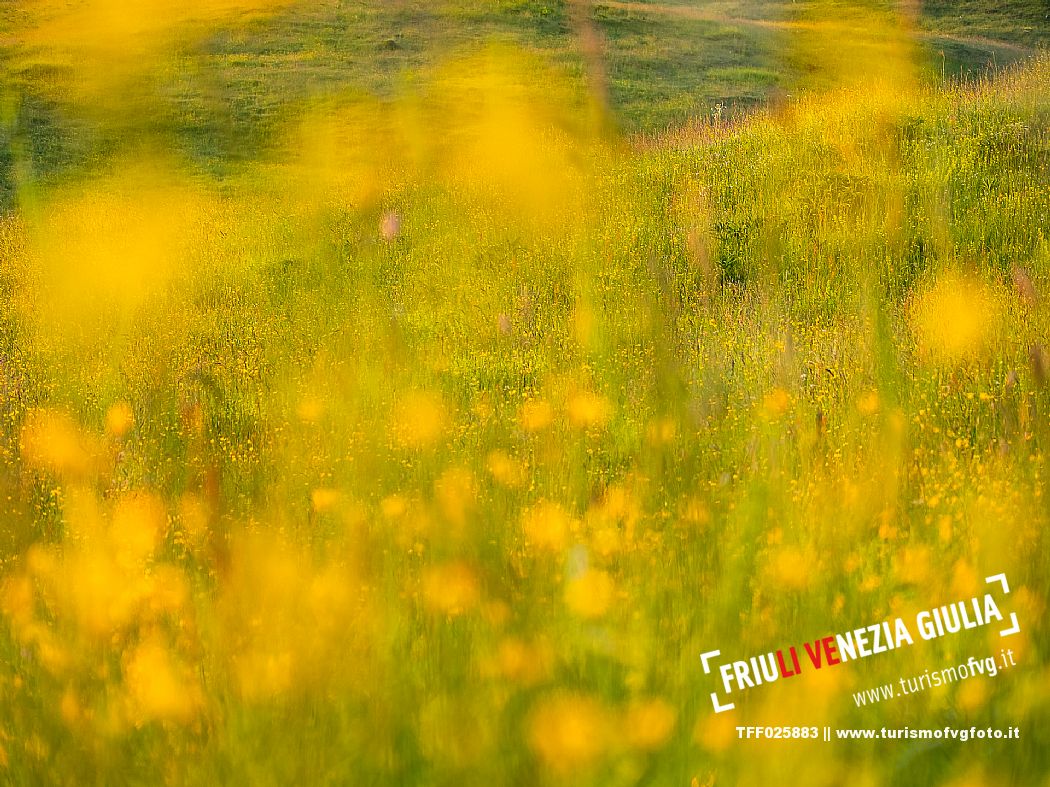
980, 42
699, 14
691, 12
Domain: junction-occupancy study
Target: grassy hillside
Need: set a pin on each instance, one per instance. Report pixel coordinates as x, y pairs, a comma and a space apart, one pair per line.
663, 63
429, 438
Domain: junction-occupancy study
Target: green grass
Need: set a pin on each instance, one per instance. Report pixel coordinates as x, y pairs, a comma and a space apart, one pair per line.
1015, 21
224, 97
781, 376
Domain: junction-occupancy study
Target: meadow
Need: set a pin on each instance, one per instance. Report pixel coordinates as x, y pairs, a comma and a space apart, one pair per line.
409, 393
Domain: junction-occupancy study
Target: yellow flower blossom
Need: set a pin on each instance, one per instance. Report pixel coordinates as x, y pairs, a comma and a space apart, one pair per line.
868, 404
589, 411
506, 470
591, 594
648, 724
324, 499
139, 524
536, 415
451, 589
954, 319
119, 420
157, 688
456, 494
776, 402
547, 526
569, 733
792, 567
420, 420
52, 441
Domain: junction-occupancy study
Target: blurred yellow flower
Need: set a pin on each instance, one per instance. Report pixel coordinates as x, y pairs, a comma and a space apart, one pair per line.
589, 411
420, 420
569, 733
662, 432
393, 506
18, 600
524, 662
547, 526
868, 404
324, 499
456, 494
870, 582
69, 707
913, 565
792, 567
450, 589
139, 524
119, 420
954, 319
310, 409
965, 582
591, 594
52, 441
776, 402
607, 541
166, 591
97, 593
715, 732
506, 470
618, 504
194, 520
157, 688
944, 528
648, 724
535, 415
287, 619
972, 695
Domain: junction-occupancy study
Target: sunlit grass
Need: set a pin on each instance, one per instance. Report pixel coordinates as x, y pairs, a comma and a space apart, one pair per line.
434, 443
